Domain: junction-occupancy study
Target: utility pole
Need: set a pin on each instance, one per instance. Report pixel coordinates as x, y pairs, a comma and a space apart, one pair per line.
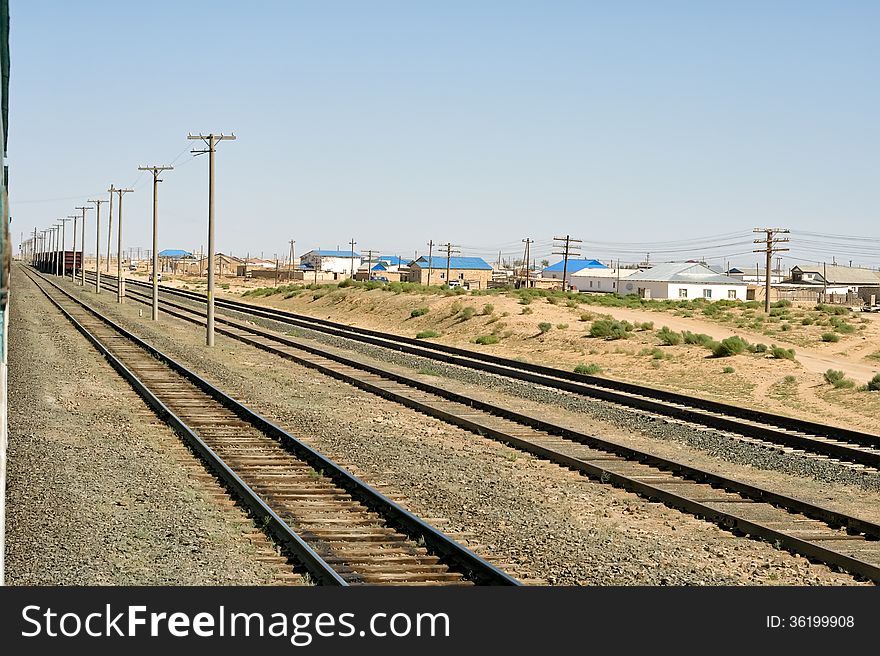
430, 259
353, 243
369, 261
82, 260
450, 249
73, 248
63, 244
211, 141
155, 170
98, 244
110, 228
527, 242
292, 243
568, 248
120, 279
770, 242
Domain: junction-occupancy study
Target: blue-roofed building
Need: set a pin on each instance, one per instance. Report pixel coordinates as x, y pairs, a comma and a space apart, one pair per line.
472, 272
175, 253
555, 271
344, 262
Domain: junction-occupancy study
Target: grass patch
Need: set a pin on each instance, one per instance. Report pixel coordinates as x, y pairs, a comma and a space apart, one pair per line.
487, 339
781, 353
544, 326
419, 312
427, 334
838, 379
728, 370
874, 384
588, 369
830, 337
610, 329
561, 326
467, 313
488, 309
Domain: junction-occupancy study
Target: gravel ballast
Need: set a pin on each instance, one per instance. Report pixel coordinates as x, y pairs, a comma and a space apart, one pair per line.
99, 491
541, 521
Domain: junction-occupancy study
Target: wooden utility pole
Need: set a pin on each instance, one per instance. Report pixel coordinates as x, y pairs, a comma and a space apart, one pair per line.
98, 244
527, 242
352, 243
110, 228
120, 278
430, 259
292, 243
63, 243
770, 242
156, 170
450, 250
369, 261
82, 258
568, 247
211, 141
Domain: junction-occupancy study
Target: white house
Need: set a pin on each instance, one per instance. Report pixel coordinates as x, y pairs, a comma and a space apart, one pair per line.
835, 278
331, 261
683, 280
600, 280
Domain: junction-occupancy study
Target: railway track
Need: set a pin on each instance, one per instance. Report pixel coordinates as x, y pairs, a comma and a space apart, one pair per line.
342, 531
851, 448
824, 535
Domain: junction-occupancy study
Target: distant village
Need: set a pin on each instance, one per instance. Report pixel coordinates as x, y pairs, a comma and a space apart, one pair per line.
832, 283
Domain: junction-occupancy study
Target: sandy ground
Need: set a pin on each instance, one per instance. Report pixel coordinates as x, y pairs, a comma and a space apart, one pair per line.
541, 521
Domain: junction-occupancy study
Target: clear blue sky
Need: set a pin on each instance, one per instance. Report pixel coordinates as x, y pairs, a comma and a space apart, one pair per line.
476, 122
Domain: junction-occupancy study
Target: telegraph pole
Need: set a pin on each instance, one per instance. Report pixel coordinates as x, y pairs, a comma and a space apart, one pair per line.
120, 280
82, 261
569, 246
527, 242
211, 140
110, 227
352, 243
73, 248
98, 245
63, 244
430, 259
770, 242
292, 243
450, 250
156, 170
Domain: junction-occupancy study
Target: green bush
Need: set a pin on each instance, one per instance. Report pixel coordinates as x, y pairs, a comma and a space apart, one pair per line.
838, 379
487, 339
874, 384
789, 379
427, 334
832, 309
418, 312
700, 339
781, 353
830, 337
588, 369
760, 348
488, 309
526, 310
844, 328
782, 303
610, 329
544, 326
467, 313
728, 370
729, 346
669, 337
586, 316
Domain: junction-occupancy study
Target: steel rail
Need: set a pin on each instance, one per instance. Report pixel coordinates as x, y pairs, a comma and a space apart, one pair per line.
550, 376
477, 569
805, 438
785, 540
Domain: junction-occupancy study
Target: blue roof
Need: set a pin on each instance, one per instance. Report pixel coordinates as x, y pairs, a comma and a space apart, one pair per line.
174, 252
454, 263
576, 265
379, 267
333, 253
393, 260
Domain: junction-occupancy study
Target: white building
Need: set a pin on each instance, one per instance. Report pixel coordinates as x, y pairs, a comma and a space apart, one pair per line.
571, 268
681, 281
331, 261
600, 280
